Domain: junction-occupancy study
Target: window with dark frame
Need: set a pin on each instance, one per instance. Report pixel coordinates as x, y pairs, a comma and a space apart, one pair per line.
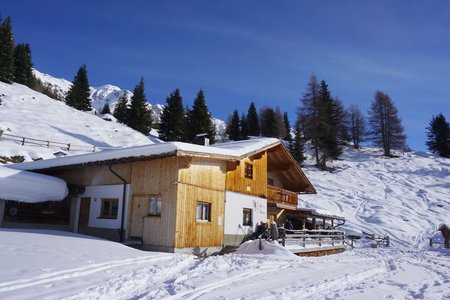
109, 208
248, 171
155, 205
247, 217
203, 211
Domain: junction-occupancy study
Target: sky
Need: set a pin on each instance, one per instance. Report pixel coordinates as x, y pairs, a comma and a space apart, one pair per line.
244, 51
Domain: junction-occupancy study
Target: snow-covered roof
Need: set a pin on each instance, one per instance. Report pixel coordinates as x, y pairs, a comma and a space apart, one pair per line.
30, 187
226, 151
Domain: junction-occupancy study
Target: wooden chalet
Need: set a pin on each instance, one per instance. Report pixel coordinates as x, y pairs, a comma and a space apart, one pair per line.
176, 197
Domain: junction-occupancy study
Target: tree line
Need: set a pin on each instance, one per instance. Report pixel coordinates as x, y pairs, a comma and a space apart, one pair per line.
321, 119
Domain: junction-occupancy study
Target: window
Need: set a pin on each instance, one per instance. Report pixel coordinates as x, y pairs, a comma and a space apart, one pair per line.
109, 208
203, 211
248, 171
155, 205
247, 217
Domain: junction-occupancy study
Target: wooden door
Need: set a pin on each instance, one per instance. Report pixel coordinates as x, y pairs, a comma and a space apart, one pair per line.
139, 210
83, 220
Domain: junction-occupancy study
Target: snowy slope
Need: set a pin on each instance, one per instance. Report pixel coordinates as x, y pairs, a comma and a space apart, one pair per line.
405, 197
26, 113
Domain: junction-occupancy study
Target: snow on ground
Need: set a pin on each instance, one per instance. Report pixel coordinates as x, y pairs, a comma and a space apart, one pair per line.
26, 113
406, 197
54, 265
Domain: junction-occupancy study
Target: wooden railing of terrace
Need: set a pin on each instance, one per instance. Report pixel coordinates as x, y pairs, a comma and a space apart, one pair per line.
281, 195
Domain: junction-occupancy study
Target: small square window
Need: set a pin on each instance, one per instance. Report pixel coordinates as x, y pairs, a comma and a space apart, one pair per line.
109, 208
203, 211
155, 204
247, 217
248, 171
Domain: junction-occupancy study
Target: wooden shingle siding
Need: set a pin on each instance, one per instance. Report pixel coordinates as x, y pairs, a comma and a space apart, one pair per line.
203, 181
237, 182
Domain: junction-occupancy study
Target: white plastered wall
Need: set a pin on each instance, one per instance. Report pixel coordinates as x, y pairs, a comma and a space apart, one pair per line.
96, 193
234, 205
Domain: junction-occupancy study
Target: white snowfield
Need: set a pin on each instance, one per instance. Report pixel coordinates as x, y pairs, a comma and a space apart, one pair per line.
406, 198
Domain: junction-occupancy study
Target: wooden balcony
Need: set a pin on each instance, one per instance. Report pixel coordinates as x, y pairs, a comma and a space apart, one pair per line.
276, 195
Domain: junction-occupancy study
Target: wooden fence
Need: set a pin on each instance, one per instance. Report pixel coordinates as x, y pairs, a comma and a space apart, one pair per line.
44, 143
307, 240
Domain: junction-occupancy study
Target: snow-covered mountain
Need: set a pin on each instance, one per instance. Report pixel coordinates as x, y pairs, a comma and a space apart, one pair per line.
109, 94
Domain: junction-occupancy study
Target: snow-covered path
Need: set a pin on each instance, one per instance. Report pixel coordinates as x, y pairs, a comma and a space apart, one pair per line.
49, 265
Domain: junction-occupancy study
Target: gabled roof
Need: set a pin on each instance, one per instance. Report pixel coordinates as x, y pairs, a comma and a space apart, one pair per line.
232, 151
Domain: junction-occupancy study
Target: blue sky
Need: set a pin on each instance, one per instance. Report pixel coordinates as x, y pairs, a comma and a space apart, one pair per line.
243, 51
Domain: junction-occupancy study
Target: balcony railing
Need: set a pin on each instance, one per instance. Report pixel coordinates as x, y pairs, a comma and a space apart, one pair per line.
281, 195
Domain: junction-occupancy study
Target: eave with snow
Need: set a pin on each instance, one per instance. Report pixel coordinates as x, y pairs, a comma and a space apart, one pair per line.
176, 196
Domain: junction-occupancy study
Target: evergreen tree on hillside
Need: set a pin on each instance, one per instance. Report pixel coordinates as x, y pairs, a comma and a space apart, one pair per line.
287, 137
386, 128
279, 123
308, 115
243, 125
268, 122
253, 121
343, 131
199, 120
233, 127
121, 110
438, 136
357, 125
139, 113
105, 110
6, 51
297, 145
79, 93
23, 66
172, 126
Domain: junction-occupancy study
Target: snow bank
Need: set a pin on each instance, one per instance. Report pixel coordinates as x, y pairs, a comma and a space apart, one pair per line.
268, 248
30, 187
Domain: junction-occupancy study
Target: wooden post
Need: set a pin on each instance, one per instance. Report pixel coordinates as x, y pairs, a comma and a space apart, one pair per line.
332, 223
23, 141
48, 144
304, 223
323, 223
68, 147
431, 242
314, 224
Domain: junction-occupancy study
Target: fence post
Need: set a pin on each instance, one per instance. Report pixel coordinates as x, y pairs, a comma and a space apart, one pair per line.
93, 149
48, 144
23, 141
1, 133
68, 147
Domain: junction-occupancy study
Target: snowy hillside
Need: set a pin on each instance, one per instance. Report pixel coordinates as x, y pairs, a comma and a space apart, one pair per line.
26, 113
406, 197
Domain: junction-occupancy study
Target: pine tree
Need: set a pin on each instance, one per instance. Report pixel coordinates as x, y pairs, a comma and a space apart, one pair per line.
297, 145
253, 121
243, 126
308, 116
343, 130
199, 120
438, 136
386, 129
268, 122
357, 125
121, 110
139, 113
233, 127
23, 66
172, 126
105, 110
279, 123
6, 51
287, 137
79, 93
